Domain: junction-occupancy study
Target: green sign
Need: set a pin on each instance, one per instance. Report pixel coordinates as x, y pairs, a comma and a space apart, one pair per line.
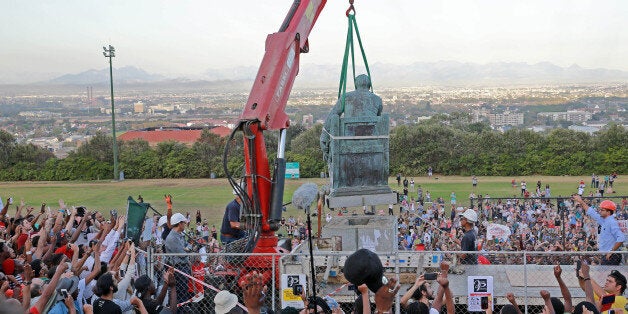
292, 170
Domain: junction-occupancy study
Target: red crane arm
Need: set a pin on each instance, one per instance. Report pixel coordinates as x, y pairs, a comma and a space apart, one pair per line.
280, 66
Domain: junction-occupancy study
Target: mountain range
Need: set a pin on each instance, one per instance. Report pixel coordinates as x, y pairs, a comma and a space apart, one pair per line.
447, 73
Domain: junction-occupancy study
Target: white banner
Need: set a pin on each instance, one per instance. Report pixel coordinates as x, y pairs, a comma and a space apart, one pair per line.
497, 231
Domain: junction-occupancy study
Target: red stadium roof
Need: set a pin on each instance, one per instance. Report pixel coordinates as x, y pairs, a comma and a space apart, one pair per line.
186, 136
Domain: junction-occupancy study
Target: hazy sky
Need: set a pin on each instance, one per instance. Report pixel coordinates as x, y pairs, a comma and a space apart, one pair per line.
41, 38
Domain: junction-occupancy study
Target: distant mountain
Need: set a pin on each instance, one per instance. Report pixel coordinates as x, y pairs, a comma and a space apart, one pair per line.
124, 75
440, 73
446, 73
458, 73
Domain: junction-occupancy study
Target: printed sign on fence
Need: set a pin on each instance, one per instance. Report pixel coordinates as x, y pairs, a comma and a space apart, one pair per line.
497, 231
478, 287
288, 282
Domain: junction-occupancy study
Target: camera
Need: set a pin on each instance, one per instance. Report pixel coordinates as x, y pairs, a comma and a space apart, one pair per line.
430, 276
351, 287
297, 290
64, 293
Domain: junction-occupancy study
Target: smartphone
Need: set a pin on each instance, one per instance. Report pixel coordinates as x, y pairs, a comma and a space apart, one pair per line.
430, 276
351, 287
484, 303
607, 302
64, 293
578, 265
121, 273
297, 289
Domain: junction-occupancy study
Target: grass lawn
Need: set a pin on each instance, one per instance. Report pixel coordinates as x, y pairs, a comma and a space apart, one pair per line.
210, 196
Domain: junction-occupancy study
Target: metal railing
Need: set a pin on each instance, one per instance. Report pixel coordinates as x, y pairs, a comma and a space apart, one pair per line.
524, 273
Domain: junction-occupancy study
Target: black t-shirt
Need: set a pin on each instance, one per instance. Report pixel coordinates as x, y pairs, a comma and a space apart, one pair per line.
468, 244
102, 306
152, 307
164, 234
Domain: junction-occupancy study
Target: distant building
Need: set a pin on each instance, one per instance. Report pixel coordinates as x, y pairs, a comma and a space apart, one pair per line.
308, 120
187, 136
139, 107
577, 116
506, 118
584, 128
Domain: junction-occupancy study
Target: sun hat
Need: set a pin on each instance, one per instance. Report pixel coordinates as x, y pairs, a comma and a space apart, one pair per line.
69, 284
225, 301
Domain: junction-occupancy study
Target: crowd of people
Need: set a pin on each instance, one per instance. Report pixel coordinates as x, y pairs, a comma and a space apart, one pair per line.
536, 223
71, 260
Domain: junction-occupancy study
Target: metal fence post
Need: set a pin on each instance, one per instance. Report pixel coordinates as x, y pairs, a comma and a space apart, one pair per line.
150, 267
274, 286
525, 281
397, 297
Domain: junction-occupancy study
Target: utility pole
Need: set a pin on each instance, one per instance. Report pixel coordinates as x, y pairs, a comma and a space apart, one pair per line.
110, 53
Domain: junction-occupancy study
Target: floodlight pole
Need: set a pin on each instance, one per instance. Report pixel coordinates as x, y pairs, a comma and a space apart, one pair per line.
110, 53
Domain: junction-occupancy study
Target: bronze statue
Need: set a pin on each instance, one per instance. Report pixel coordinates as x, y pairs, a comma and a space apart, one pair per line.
355, 146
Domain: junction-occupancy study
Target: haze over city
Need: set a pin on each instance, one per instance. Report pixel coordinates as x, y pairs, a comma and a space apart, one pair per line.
44, 40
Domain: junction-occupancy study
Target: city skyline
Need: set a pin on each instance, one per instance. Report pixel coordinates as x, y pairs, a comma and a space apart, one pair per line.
187, 38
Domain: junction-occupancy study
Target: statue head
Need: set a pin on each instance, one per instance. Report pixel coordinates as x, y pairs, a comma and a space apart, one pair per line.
363, 81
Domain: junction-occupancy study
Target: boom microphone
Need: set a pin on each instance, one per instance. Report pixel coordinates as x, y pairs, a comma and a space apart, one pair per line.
305, 195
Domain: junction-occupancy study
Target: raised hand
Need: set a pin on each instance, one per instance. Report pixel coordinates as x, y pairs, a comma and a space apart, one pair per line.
511, 297
557, 271
253, 292
386, 294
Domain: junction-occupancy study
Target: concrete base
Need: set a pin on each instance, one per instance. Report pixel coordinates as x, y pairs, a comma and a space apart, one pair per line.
377, 233
334, 201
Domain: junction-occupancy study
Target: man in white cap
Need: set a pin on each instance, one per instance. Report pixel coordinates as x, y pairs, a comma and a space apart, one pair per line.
175, 243
467, 220
231, 229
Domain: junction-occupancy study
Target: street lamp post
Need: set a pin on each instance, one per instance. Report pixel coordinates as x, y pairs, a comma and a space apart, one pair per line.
110, 53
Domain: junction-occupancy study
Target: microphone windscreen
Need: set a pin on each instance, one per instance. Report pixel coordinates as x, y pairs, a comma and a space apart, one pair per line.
305, 195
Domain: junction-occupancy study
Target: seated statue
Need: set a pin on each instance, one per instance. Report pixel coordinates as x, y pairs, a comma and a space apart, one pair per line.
359, 103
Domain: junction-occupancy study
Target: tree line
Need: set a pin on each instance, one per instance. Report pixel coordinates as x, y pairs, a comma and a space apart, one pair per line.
447, 143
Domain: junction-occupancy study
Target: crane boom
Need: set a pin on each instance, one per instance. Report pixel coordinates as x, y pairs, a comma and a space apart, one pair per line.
265, 110
280, 66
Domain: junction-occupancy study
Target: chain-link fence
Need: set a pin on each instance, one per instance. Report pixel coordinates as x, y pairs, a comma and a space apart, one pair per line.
524, 274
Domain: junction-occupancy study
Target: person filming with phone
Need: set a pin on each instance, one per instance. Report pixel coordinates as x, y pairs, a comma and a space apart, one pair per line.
610, 237
611, 294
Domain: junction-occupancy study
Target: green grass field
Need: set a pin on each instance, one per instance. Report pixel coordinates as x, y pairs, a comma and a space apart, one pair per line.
211, 195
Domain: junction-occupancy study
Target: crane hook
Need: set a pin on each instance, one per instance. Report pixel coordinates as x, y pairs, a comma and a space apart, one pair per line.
351, 8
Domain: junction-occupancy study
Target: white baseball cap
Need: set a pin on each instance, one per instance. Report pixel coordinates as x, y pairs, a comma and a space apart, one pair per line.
162, 221
177, 218
470, 215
